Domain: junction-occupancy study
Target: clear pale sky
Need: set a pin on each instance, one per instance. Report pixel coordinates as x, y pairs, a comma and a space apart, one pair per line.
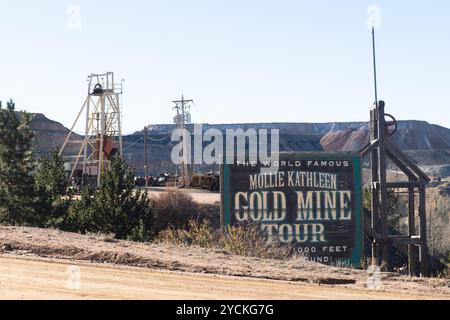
241, 61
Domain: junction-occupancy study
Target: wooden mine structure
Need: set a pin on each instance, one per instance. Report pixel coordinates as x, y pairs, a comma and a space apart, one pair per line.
381, 150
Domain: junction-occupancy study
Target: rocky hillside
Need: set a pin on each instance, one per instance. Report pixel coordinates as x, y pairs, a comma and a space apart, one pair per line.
410, 135
49, 135
428, 144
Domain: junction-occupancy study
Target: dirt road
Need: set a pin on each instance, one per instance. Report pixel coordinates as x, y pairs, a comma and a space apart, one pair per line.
29, 278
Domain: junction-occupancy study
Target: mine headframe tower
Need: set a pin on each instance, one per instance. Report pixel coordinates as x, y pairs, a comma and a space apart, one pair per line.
103, 130
380, 150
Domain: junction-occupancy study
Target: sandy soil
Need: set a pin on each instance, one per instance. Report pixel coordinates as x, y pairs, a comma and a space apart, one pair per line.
25, 278
53, 244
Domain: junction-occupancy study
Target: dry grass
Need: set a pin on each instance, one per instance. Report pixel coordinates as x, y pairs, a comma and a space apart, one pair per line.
245, 240
439, 227
197, 234
248, 240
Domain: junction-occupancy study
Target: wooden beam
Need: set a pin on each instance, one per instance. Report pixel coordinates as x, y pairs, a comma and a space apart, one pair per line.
403, 157
401, 166
411, 232
423, 230
379, 114
405, 240
368, 147
403, 185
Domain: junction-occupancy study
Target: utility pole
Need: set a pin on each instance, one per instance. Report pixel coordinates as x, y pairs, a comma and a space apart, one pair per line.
145, 157
181, 119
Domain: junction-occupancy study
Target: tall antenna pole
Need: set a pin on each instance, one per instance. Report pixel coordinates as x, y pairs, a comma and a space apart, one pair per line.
374, 65
379, 165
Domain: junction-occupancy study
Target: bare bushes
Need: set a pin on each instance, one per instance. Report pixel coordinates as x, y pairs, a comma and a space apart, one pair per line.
244, 240
439, 227
196, 233
174, 209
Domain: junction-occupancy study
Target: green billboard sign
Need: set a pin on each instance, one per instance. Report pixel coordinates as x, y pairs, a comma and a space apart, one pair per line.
312, 201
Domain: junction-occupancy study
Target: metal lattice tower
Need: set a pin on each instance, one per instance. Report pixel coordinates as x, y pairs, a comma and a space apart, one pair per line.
182, 118
103, 130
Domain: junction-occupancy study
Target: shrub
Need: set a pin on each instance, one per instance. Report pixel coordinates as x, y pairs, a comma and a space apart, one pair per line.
53, 201
114, 208
51, 176
80, 217
17, 194
197, 234
244, 240
209, 212
249, 240
439, 228
174, 209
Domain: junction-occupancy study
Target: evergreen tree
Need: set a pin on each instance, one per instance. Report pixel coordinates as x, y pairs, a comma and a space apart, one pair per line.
121, 209
116, 207
51, 176
51, 186
80, 217
16, 167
